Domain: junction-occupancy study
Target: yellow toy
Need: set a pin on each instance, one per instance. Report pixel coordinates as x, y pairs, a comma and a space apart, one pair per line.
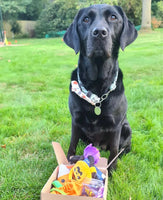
81, 171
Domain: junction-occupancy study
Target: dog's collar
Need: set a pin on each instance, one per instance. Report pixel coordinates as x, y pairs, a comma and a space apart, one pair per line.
91, 98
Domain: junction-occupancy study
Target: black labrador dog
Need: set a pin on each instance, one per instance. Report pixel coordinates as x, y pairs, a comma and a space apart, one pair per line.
97, 101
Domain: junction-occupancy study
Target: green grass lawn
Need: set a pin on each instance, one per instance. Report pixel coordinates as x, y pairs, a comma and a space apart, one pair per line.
34, 82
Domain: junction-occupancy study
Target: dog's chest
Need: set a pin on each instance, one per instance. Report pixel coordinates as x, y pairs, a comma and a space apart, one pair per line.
98, 129
97, 133
98, 124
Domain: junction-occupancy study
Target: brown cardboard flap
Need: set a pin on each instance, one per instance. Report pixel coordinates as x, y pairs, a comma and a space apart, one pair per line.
47, 186
60, 155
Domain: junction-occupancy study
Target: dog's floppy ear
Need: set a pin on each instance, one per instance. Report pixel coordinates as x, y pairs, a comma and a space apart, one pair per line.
71, 37
129, 33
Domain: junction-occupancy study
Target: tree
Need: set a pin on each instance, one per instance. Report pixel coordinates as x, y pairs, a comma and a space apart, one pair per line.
146, 14
85, 3
159, 13
133, 9
57, 16
157, 9
33, 10
22, 9
11, 8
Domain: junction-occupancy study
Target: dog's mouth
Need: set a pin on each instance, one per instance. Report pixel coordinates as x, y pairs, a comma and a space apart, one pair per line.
99, 53
98, 48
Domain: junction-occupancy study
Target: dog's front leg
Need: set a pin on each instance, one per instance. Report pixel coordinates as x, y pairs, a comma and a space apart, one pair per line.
75, 135
113, 166
114, 148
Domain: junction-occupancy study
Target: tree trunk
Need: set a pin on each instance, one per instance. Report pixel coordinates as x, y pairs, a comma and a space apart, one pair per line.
146, 15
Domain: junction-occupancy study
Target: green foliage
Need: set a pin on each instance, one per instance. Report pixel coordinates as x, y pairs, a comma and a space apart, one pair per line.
34, 82
157, 10
133, 10
11, 8
154, 8
22, 9
33, 10
85, 3
56, 17
15, 27
159, 13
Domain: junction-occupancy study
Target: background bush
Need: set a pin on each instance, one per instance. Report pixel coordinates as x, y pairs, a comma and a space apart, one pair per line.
133, 10
56, 17
157, 9
15, 27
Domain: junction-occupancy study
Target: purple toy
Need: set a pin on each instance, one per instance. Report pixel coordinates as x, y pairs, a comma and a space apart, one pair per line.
92, 151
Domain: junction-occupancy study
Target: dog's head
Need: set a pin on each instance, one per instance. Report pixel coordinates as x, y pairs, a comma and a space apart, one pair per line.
98, 29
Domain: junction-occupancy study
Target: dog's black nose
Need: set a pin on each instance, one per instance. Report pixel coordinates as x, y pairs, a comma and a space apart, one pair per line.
100, 32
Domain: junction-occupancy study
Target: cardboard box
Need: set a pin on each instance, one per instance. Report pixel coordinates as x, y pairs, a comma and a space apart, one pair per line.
61, 159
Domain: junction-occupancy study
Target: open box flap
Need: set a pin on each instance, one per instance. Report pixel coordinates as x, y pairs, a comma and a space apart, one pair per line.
60, 155
62, 159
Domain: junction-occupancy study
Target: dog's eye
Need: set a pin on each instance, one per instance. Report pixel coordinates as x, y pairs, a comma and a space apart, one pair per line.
86, 20
113, 17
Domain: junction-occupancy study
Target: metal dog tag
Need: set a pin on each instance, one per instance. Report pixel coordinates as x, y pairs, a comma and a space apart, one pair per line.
97, 110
